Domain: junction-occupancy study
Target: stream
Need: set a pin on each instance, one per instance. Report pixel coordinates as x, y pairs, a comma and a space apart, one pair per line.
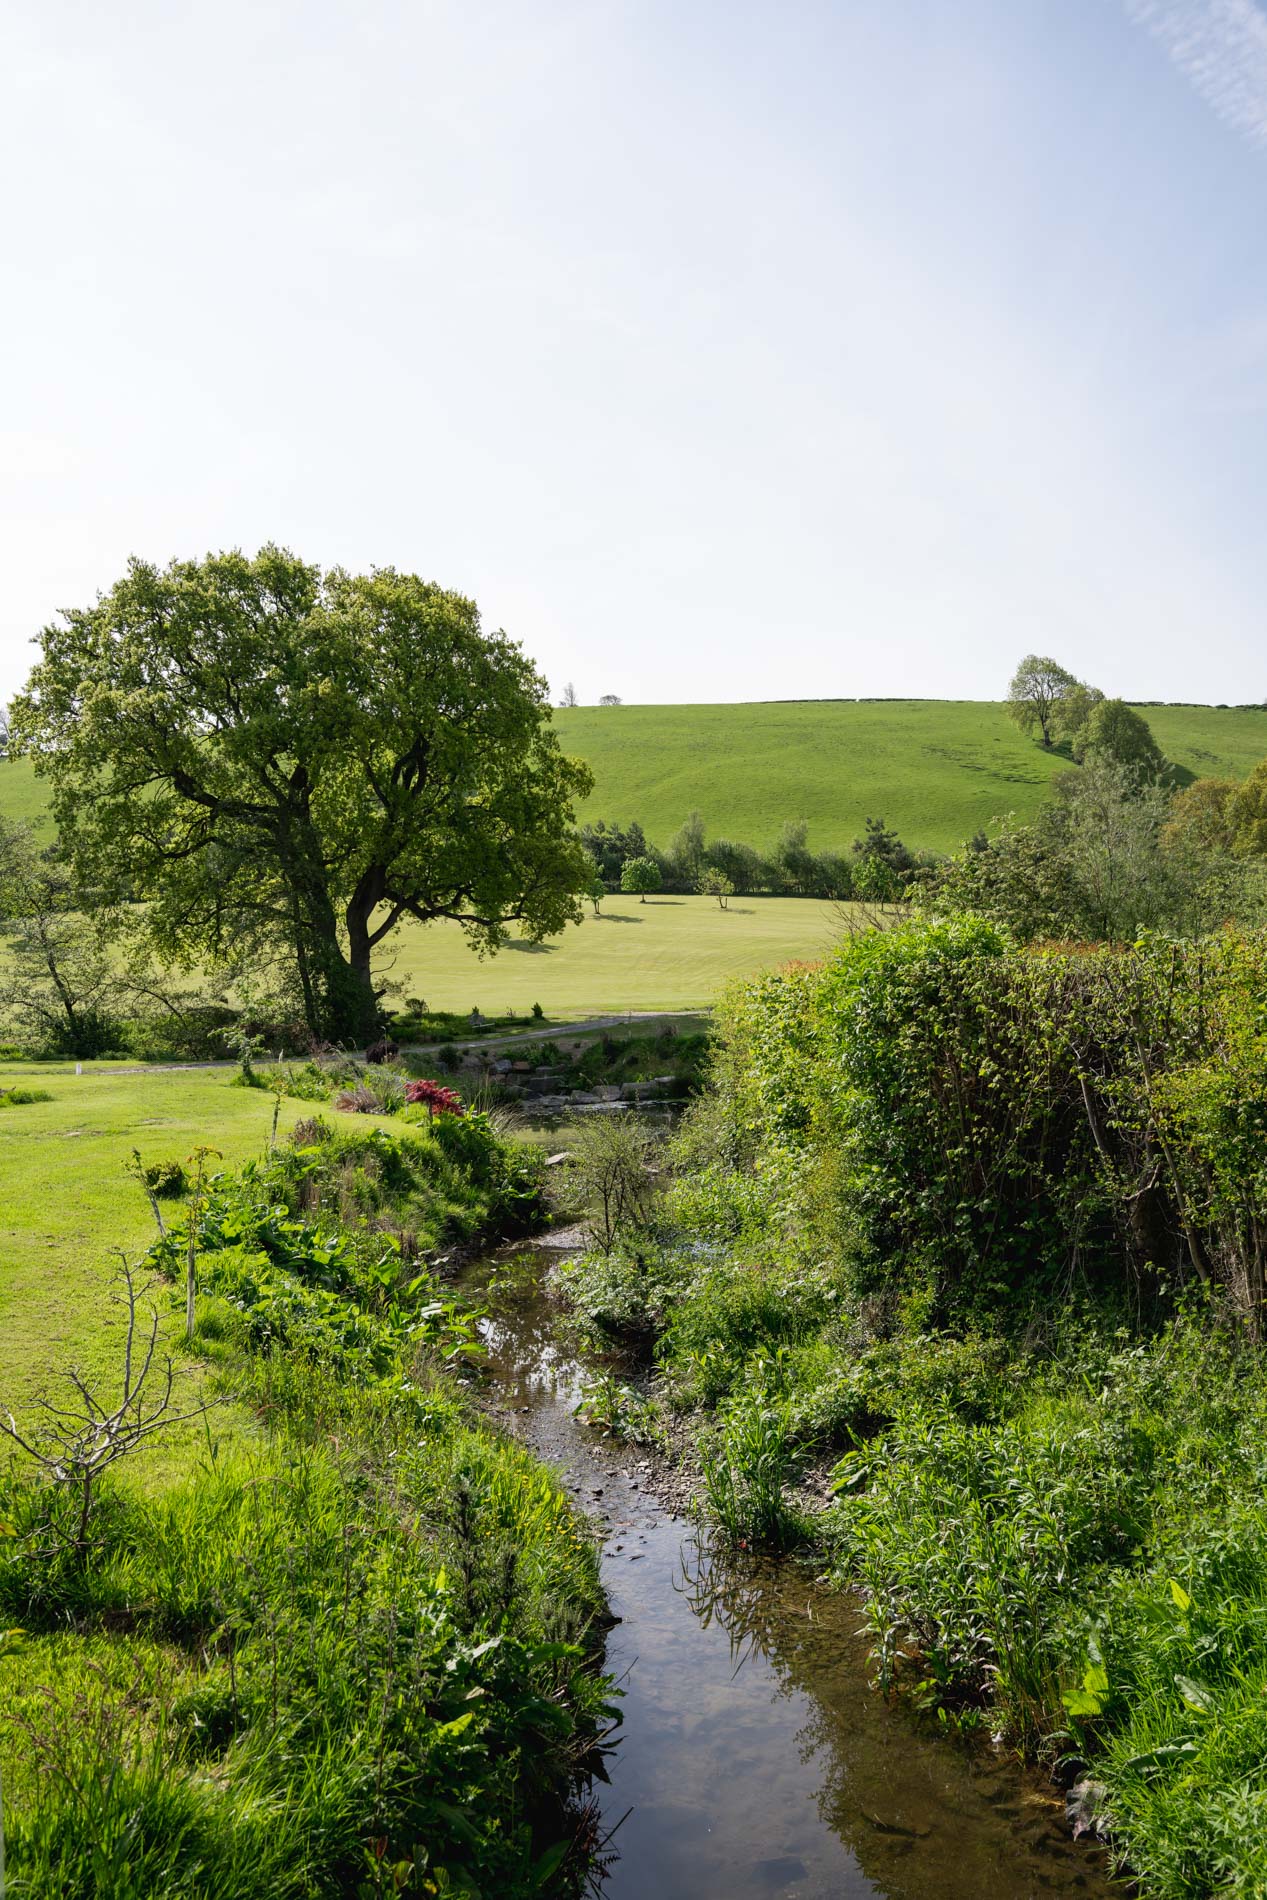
754, 1761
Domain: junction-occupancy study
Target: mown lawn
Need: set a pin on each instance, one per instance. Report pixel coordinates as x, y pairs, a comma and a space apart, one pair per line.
68, 1203
669, 953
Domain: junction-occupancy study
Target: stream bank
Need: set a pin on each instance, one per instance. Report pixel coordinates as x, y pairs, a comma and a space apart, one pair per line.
754, 1761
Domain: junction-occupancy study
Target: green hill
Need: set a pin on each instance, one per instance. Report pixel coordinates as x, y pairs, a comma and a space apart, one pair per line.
936, 770
22, 797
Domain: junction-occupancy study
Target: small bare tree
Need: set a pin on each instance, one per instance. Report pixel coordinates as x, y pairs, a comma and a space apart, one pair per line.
79, 1443
609, 1175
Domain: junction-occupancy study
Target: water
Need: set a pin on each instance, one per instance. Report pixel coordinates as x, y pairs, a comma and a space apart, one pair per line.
755, 1763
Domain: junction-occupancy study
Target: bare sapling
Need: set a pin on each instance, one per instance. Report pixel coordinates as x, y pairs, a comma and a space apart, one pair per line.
78, 1443
197, 1196
138, 1168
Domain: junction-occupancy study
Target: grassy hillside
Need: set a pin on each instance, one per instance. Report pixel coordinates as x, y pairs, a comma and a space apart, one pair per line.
937, 770
23, 798
669, 953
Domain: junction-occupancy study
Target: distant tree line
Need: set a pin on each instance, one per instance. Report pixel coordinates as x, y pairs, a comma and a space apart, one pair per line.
877, 867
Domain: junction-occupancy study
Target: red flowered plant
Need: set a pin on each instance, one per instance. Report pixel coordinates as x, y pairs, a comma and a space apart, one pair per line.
438, 1099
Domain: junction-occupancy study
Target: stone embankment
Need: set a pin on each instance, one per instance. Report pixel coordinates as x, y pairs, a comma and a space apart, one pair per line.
551, 1091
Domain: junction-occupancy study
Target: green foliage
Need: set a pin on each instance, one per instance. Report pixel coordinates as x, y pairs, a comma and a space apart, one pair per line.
1115, 731
414, 767
956, 1113
640, 875
358, 1652
1093, 1563
19, 1096
1033, 698
1112, 856
608, 1179
747, 1464
167, 1180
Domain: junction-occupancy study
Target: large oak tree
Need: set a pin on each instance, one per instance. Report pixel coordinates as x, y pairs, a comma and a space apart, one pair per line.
263, 754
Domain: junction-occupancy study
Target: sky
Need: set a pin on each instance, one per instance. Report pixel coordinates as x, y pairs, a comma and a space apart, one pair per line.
719, 351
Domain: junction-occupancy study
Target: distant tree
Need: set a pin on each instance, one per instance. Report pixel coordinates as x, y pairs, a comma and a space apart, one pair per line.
640, 875
1072, 711
4, 732
1113, 730
1095, 864
875, 881
1038, 686
609, 846
795, 862
1247, 814
687, 852
1201, 815
715, 884
885, 845
738, 862
596, 892
609, 699
834, 877
569, 696
57, 984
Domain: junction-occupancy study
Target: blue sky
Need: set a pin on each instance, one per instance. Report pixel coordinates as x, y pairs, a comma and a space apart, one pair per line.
721, 352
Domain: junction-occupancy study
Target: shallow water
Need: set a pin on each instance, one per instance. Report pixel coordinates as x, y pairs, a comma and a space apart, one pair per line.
754, 1761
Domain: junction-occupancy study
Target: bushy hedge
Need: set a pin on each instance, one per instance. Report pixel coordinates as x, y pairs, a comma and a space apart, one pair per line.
951, 1110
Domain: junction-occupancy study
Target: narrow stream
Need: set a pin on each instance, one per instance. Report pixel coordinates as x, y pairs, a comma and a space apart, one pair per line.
754, 1761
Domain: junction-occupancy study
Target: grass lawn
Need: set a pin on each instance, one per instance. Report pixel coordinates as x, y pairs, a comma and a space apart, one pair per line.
67, 1200
669, 953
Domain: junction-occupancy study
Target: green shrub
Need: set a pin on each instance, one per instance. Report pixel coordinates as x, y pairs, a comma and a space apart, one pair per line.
166, 1180
746, 1464
20, 1096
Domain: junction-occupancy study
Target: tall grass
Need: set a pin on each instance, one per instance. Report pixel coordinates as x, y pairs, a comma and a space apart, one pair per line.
355, 1660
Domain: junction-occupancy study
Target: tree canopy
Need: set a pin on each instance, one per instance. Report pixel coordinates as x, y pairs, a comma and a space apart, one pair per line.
1038, 685
640, 875
1113, 730
265, 755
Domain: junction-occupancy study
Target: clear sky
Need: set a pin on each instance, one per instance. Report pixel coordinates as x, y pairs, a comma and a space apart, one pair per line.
721, 351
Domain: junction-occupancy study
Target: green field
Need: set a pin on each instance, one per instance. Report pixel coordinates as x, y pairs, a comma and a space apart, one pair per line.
67, 1200
936, 770
669, 953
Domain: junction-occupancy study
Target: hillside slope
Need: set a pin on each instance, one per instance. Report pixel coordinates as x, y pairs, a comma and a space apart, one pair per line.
936, 770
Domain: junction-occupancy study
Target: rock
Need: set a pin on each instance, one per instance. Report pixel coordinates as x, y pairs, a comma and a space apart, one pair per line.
1083, 1805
